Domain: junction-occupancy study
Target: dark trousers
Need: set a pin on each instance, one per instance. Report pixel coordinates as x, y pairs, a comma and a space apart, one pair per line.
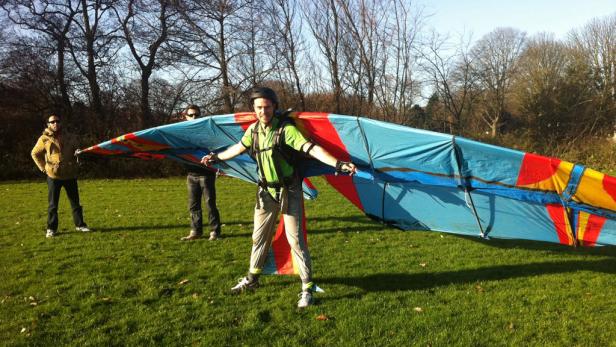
205, 186
53, 188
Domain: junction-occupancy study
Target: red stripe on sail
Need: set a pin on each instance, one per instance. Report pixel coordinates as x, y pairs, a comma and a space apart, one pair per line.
609, 185
282, 250
557, 214
323, 132
593, 229
138, 144
536, 168
244, 119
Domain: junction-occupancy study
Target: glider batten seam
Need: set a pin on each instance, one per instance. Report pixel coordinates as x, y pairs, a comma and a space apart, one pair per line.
464, 185
224, 131
371, 163
233, 139
383, 202
366, 145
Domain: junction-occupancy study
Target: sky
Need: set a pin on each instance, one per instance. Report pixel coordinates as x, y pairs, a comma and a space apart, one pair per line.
532, 16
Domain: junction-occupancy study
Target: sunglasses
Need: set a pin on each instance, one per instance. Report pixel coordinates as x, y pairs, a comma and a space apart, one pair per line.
53, 121
192, 114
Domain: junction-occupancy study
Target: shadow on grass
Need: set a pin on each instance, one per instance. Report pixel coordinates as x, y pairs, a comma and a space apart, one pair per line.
365, 224
158, 227
354, 219
390, 282
368, 225
138, 227
609, 251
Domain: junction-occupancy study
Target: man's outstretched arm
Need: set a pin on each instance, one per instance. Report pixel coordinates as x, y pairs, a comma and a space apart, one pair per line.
227, 154
324, 156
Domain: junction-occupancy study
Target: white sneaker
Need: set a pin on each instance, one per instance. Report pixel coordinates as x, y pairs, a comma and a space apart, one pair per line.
305, 299
85, 229
50, 233
243, 285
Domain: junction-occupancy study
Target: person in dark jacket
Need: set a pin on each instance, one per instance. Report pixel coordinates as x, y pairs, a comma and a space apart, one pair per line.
54, 155
201, 182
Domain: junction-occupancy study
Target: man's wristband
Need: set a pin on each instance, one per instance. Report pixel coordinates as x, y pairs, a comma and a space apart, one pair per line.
339, 166
214, 157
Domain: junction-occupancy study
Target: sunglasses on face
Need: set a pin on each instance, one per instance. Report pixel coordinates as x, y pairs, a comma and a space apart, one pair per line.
54, 122
192, 114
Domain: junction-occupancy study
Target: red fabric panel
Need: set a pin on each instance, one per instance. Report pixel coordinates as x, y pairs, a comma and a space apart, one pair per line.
593, 229
609, 185
536, 168
148, 156
102, 151
244, 119
322, 131
138, 144
557, 213
281, 248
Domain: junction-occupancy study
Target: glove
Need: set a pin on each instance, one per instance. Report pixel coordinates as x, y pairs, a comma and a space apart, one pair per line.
210, 159
342, 167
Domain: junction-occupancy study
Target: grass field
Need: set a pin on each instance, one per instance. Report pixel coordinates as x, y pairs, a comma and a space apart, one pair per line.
134, 283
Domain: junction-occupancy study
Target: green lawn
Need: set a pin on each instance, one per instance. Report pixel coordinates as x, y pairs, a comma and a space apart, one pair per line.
134, 283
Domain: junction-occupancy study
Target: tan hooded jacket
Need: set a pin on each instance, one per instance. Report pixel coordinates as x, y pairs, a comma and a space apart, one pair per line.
56, 156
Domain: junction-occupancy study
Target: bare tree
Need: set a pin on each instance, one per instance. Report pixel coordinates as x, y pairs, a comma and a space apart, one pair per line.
53, 20
368, 50
29, 79
146, 25
93, 45
397, 85
596, 45
541, 88
324, 19
365, 22
495, 61
449, 72
289, 43
209, 43
254, 45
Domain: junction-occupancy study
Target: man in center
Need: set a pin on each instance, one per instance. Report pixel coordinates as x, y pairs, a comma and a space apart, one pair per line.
280, 187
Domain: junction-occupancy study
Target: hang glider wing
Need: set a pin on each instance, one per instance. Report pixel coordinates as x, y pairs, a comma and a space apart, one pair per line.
187, 142
415, 179
421, 180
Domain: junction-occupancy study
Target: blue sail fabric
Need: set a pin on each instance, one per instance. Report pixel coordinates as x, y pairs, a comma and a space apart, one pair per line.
416, 179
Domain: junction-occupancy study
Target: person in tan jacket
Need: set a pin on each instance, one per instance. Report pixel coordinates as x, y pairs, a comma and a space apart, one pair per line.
54, 154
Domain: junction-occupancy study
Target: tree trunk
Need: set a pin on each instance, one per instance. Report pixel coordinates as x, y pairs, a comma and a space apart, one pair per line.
67, 109
224, 69
95, 90
146, 112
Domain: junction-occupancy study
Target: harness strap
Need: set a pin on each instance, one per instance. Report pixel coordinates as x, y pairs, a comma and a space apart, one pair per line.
255, 150
287, 181
312, 144
264, 149
276, 155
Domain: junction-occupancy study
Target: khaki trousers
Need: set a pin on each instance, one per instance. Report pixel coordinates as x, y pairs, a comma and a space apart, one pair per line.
266, 216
